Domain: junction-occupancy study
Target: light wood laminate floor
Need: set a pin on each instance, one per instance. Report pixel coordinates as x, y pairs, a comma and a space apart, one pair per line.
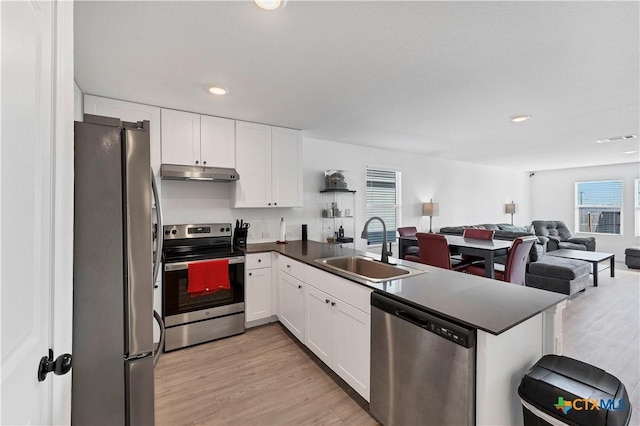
263, 377
259, 378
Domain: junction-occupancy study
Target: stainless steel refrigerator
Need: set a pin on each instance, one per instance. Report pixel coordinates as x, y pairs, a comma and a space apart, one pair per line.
113, 279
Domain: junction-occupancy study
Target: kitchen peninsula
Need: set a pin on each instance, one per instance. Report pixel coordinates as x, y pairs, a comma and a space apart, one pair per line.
514, 325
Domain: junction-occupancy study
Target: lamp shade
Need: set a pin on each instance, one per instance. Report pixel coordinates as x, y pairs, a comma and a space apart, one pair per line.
430, 209
510, 208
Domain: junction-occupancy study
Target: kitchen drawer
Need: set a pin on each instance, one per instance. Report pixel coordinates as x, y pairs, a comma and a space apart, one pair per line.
258, 260
354, 294
291, 267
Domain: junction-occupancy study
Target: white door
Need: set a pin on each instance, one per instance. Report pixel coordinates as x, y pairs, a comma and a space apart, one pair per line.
319, 323
258, 294
180, 137
27, 202
292, 305
217, 142
351, 346
253, 163
286, 149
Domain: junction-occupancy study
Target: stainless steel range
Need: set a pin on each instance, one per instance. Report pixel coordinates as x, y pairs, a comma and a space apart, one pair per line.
196, 317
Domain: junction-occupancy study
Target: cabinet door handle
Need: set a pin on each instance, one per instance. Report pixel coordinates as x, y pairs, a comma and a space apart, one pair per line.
275, 204
333, 303
197, 161
250, 274
204, 162
288, 266
326, 300
269, 203
259, 260
299, 286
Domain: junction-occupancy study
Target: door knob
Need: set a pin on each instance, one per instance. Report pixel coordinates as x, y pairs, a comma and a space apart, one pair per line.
62, 365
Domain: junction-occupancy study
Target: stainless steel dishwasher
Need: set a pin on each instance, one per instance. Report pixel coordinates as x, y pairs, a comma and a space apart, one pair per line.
422, 367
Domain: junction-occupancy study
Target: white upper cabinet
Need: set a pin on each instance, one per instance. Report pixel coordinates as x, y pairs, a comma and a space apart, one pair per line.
197, 140
180, 138
286, 167
253, 163
269, 162
217, 141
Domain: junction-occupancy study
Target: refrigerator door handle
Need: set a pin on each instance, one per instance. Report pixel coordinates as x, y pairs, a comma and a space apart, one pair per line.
159, 225
156, 355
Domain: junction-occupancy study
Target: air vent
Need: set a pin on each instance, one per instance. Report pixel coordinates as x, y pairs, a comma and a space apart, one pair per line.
617, 139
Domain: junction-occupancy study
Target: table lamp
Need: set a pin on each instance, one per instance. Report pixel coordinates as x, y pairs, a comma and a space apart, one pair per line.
430, 209
510, 208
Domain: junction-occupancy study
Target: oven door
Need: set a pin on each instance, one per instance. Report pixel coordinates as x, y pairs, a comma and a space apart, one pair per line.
181, 308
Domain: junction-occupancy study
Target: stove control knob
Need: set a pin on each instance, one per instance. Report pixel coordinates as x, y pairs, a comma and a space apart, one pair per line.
221, 229
228, 229
166, 232
174, 232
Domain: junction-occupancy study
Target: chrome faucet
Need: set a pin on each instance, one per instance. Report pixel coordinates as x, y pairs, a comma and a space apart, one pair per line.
385, 254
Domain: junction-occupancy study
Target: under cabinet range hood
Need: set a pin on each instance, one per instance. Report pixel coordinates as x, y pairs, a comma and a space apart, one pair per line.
201, 173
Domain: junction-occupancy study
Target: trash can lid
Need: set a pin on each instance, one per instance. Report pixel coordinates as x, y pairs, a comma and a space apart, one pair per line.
576, 392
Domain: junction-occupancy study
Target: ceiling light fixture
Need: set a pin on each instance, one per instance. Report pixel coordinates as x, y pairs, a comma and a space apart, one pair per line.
630, 152
520, 118
270, 4
218, 90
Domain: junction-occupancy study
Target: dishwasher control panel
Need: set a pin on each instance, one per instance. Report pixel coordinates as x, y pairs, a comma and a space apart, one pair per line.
447, 333
446, 329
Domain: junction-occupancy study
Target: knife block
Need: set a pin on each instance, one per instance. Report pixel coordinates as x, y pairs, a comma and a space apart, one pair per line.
240, 237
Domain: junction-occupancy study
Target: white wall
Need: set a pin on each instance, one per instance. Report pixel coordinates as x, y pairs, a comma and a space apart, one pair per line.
553, 198
467, 193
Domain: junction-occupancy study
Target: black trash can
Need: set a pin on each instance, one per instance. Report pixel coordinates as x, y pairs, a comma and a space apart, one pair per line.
564, 391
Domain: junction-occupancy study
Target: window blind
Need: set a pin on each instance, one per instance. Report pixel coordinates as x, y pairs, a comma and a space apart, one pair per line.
382, 201
599, 206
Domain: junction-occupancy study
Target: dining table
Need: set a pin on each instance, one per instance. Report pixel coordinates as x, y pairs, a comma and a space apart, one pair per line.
489, 250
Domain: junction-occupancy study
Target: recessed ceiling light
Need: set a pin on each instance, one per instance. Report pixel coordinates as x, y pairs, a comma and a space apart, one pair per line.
218, 90
630, 152
270, 4
520, 118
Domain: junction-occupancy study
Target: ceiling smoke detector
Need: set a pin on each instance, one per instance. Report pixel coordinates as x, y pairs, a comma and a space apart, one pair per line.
617, 139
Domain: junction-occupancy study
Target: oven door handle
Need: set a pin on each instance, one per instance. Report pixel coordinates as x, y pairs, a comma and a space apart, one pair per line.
183, 266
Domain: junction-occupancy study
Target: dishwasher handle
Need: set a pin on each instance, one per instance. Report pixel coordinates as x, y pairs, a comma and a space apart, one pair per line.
420, 322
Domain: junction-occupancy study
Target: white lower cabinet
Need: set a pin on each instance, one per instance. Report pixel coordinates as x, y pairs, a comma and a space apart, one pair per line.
340, 336
258, 294
258, 290
319, 333
292, 304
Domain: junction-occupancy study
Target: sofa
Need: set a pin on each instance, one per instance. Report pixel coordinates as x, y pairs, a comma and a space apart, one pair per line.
503, 231
555, 235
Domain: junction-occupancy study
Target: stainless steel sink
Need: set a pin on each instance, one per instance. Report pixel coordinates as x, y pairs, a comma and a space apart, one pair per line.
368, 268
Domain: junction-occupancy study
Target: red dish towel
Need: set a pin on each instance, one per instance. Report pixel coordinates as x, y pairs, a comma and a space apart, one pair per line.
208, 277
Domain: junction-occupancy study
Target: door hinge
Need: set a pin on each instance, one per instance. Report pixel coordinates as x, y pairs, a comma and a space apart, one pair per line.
60, 366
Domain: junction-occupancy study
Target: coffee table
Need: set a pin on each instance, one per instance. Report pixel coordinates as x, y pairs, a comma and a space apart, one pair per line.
592, 257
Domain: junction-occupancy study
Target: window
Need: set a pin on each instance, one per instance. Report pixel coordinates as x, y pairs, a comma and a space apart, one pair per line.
637, 191
599, 206
383, 194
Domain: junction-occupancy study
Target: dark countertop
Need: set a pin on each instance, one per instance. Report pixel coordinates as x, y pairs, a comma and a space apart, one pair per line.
470, 300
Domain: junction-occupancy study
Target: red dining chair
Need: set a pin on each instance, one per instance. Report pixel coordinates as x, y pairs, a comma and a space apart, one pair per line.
478, 234
434, 251
410, 253
515, 266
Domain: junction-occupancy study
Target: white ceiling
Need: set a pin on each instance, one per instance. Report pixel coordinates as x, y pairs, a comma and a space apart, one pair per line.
437, 78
